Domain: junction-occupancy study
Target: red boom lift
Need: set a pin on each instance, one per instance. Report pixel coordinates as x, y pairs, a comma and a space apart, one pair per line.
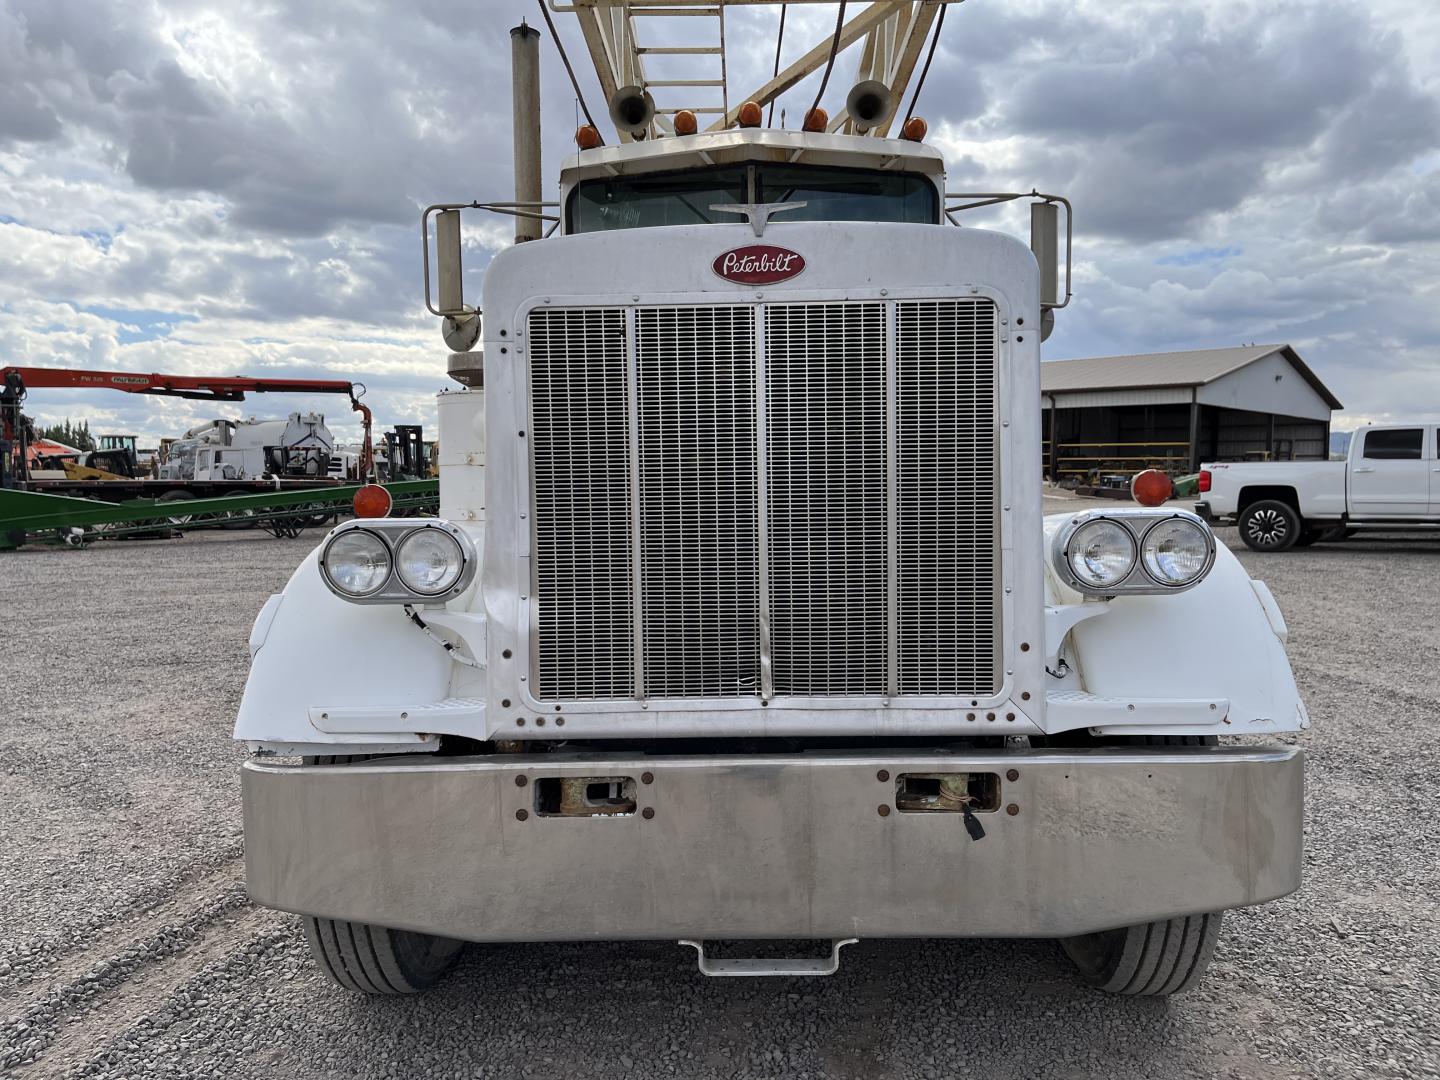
15, 381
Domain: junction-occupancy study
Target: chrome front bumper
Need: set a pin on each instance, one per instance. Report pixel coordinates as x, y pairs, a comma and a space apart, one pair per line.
782, 846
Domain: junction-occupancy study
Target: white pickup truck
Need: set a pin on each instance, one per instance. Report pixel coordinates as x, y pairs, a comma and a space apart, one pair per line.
1390, 478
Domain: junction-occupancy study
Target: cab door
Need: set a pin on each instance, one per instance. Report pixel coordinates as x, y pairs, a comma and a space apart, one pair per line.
1390, 477
1434, 463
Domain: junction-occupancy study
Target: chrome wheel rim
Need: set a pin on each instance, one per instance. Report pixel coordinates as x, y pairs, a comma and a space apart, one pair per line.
1267, 527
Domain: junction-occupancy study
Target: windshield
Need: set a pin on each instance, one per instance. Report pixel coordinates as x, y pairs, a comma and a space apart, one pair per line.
686, 198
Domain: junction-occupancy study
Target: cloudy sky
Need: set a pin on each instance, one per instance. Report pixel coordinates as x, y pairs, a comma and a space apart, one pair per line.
233, 188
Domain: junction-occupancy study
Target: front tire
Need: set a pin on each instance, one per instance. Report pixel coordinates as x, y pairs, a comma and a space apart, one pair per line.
1269, 525
1154, 959
376, 959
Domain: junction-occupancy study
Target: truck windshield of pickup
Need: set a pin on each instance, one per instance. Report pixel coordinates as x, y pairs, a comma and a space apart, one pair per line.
685, 198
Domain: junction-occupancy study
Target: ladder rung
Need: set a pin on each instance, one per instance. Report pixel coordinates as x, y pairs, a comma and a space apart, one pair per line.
680, 50
684, 108
711, 11
684, 82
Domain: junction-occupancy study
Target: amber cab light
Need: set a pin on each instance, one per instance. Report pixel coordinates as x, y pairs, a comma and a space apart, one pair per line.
817, 119
1204, 479
372, 501
1151, 487
686, 123
749, 114
914, 130
587, 137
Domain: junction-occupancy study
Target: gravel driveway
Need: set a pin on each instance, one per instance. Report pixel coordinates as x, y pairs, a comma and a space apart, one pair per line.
127, 948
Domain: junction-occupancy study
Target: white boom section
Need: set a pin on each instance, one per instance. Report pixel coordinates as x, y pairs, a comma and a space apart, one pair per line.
616, 33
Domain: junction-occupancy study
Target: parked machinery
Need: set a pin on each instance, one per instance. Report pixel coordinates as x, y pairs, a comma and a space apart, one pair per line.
299, 447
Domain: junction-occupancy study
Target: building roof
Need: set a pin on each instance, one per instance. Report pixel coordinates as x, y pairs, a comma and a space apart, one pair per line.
1191, 367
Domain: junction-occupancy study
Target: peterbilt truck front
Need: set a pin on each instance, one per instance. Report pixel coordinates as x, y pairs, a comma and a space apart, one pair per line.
741, 619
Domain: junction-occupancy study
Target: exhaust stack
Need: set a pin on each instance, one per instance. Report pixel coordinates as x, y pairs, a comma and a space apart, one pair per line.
525, 94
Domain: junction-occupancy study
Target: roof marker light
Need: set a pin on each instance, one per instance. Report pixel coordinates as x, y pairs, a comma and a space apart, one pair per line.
914, 130
749, 114
587, 137
817, 119
685, 123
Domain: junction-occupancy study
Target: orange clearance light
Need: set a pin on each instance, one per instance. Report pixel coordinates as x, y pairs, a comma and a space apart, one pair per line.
372, 501
587, 137
686, 124
749, 114
1151, 487
914, 129
817, 119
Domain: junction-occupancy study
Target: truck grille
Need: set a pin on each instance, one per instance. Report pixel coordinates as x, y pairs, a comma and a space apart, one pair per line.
786, 499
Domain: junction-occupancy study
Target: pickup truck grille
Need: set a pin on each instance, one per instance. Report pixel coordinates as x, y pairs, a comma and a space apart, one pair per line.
741, 501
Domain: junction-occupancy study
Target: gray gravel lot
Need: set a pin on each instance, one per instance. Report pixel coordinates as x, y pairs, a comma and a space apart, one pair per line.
127, 948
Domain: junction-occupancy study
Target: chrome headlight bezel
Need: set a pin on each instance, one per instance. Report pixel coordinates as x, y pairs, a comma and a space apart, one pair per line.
1138, 521
393, 532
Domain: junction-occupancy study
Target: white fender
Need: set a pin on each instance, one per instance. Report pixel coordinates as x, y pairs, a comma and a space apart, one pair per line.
1218, 640
313, 650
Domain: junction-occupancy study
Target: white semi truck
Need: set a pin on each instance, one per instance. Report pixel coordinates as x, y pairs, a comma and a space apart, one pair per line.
1390, 479
741, 619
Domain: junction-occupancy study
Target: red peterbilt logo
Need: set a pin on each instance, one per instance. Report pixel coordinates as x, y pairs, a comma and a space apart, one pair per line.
758, 264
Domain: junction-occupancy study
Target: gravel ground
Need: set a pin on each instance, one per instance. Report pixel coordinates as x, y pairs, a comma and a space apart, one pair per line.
127, 948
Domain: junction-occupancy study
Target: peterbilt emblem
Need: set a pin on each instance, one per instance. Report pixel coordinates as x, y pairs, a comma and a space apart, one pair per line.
758, 264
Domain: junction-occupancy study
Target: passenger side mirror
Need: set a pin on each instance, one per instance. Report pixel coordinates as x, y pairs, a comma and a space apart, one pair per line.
449, 264
461, 326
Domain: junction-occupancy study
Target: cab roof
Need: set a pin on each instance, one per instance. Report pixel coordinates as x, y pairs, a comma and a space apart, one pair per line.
746, 145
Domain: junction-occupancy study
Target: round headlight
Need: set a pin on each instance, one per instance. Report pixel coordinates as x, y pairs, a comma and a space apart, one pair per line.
1101, 553
429, 561
1176, 551
357, 562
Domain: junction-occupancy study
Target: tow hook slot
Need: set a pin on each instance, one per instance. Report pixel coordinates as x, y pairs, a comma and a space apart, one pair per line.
965, 794
584, 796
947, 793
759, 966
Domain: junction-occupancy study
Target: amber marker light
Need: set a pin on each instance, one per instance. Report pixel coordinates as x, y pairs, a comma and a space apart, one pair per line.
817, 119
914, 130
587, 137
685, 122
1151, 488
749, 114
372, 501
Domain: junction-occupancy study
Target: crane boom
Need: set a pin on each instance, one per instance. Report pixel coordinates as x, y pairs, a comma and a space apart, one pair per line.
15, 381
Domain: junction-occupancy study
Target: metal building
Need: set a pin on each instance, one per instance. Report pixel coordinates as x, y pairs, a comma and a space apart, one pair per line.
1115, 415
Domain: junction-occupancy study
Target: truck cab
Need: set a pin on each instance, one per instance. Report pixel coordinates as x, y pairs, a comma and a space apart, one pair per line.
741, 618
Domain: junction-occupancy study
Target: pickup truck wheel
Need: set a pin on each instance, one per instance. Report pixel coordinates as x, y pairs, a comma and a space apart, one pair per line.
376, 959
1269, 525
1154, 959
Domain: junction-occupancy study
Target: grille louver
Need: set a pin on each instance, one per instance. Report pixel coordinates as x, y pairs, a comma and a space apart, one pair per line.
808, 484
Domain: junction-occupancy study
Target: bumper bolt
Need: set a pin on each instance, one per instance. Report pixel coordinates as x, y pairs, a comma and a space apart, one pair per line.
1012, 809
883, 810
521, 815
1012, 774
882, 775
647, 777
648, 813
521, 781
